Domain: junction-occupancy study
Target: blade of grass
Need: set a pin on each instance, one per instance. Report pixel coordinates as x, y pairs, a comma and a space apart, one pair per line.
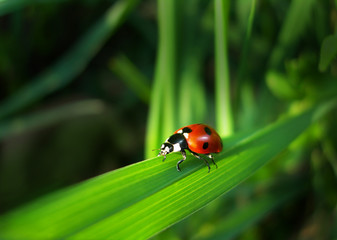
295, 24
224, 115
47, 117
328, 52
192, 98
142, 199
133, 78
72, 63
161, 114
167, 12
239, 219
8, 6
243, 61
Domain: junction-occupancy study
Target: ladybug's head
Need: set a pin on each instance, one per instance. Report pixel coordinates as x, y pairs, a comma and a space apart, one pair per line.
175, 143
165, 148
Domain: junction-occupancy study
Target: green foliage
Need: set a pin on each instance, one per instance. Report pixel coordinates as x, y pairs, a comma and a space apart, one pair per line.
280, 87
39, 120
96, 90
161, 116
328, 52
141, 200
192, 100
60, 74
294, 26
134, 79
224, 117
232, 224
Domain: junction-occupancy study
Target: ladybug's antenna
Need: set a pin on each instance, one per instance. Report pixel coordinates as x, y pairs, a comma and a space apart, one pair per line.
155, 149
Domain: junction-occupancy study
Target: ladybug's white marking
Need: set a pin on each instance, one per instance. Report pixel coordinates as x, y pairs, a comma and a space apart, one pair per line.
176, 147
186, 135
165, 150
180, 131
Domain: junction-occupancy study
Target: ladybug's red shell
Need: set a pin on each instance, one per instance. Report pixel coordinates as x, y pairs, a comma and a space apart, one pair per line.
201, 138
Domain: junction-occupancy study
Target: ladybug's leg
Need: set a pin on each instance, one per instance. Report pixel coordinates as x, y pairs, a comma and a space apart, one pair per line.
184, 158
211, 157
199, 157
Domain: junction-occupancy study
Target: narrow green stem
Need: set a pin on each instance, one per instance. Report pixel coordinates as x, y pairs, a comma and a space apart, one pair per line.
224, 116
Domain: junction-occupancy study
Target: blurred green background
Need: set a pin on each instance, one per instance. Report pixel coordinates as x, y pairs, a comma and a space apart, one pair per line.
90, 86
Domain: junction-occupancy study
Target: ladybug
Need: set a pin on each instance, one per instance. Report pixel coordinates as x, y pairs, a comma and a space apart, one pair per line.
196, 138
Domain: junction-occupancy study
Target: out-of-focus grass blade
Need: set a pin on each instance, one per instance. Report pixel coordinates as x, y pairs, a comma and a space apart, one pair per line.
161, 114
295, 23
244, 54
280, 86
223, 111
250, 21
7, 6
234, 223
142, 199
192, 98
72, 63
134, 79
47, 117
328, 52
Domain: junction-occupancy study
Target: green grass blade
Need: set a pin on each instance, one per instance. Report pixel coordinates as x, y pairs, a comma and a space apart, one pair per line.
51, 116
192, 100
244, 54
72, 63
167, 12
8, 6
133, 78
224, 115
192, 97
296, 22
142, 199
328, 52
161, 114
241, 218
243, 62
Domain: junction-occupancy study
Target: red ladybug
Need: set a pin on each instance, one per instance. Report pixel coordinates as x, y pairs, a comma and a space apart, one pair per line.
196, 138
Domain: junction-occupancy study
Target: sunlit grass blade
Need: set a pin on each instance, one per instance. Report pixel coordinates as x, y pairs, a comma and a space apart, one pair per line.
161, 114
30, 122
72, 63
192, 97
223, 111
241, 218
142, 199
192, 100
134, 79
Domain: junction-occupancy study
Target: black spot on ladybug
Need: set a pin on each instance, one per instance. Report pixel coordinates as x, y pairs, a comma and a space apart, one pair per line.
205, 146
187, 130
208, 131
